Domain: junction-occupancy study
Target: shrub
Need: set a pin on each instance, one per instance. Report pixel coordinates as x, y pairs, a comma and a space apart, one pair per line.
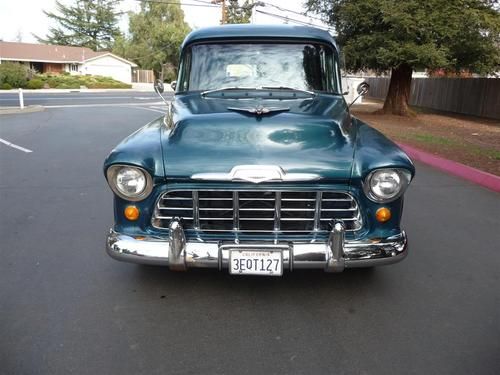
108, 85
64, 81
13, 73
68, 86
52, 82
35, 84
5, 86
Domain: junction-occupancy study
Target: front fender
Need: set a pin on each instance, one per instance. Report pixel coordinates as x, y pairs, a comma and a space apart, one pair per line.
373, 150
142, 148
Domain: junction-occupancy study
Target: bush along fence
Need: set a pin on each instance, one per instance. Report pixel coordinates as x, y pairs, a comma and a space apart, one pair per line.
469, 96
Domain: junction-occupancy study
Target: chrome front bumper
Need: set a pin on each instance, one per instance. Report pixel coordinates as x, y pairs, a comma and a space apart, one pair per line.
331, 256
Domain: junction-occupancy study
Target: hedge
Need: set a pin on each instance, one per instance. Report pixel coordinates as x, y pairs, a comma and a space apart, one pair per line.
13, 74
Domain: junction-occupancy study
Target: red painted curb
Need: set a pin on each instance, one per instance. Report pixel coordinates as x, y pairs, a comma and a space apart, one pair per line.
474, 175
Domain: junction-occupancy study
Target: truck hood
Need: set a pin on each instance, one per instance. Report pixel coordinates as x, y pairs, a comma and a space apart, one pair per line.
301, 136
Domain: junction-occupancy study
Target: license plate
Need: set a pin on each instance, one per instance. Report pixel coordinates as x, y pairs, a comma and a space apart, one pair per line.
256, 262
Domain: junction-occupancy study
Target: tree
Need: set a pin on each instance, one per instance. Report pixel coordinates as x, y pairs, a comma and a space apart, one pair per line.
88, 23
239, 14
156, 33
402, 36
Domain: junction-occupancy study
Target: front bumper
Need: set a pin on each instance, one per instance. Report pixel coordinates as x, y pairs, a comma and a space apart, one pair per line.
331, 256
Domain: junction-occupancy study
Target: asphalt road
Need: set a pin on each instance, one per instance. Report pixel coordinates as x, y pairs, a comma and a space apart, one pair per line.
11, 99
65, 307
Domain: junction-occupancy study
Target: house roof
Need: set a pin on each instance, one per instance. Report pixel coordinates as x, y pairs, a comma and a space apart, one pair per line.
50, 53
249, 31
102, 54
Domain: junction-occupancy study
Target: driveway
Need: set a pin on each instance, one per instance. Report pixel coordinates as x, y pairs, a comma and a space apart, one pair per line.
66, 307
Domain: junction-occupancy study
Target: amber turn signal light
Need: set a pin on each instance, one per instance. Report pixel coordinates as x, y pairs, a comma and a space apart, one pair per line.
383, 214
131, 213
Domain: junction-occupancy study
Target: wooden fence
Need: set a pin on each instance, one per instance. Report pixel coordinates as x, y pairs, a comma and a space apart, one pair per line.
143, 76
469, 96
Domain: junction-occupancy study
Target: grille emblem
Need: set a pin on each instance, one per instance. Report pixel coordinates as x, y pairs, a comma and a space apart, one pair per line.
256, 174
259, 110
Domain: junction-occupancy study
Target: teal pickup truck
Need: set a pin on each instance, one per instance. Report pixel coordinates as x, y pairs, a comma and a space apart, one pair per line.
258, 167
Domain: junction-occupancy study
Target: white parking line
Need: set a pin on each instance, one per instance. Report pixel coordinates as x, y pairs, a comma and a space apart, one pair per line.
152, 109
101, 105
73, 98
10, 144
131, 105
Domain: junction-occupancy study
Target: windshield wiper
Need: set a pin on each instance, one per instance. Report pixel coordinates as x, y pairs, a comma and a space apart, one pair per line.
289, 89
231, 88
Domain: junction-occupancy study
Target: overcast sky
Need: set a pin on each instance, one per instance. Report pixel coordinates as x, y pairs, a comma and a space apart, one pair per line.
25, 17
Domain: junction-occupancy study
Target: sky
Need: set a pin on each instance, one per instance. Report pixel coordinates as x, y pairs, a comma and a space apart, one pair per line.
26, 17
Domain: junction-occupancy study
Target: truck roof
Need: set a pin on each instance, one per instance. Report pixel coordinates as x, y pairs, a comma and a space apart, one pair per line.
249, 31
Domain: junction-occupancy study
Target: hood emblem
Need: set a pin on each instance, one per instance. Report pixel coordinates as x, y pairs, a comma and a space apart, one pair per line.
256, 174
259, 110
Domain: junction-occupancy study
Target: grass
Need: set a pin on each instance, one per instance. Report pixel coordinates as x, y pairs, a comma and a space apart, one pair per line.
454, 144
493, 154
433, 139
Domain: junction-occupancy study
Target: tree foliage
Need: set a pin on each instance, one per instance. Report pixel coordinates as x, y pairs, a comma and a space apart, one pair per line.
87, 23
403, 36
156, 33
236, 13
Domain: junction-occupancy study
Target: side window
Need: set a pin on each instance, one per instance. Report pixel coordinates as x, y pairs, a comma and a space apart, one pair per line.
185, 70
329, 68
336, 74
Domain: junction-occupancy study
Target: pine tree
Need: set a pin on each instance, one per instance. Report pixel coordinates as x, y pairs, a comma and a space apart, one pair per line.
88, 23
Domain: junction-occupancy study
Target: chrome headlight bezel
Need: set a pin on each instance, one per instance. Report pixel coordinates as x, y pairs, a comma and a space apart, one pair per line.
403, 175
112, 173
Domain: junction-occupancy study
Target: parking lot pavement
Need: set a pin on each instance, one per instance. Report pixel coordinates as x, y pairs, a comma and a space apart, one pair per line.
68, 308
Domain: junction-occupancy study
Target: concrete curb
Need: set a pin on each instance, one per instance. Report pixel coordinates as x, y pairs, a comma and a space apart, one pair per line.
474, 175
28, 109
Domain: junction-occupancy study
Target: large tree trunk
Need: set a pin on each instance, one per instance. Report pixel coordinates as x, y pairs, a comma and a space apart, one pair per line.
398, 94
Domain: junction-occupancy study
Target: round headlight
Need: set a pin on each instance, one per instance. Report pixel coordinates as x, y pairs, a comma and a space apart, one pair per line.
130, 183
384, 185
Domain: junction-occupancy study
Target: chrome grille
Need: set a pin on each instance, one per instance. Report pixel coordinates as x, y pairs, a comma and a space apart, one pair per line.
257, 211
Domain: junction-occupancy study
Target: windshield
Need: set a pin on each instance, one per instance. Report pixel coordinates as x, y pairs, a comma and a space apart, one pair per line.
304, 66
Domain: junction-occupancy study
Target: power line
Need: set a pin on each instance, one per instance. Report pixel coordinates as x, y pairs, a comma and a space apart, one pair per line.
206, 2
293, 20
290, 11
180, 4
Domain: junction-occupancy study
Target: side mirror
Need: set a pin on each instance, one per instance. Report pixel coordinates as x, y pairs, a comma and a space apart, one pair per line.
173, 84
158, 86
362, 88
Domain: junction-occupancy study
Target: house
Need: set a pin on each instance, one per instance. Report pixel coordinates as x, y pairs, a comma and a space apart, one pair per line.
75, 60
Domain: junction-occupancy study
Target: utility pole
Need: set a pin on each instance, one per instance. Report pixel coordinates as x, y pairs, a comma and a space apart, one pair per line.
224, 15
